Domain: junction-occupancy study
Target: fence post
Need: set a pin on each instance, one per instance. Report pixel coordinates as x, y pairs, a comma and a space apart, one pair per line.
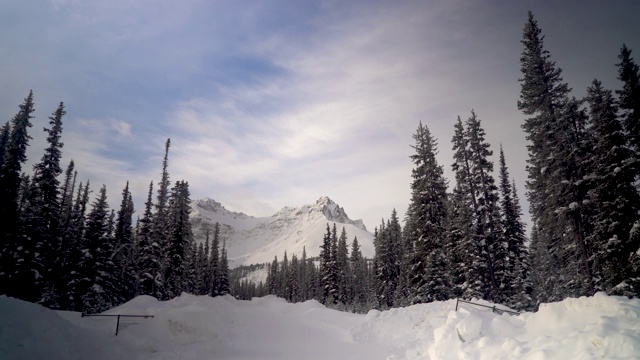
117, 325
457, 303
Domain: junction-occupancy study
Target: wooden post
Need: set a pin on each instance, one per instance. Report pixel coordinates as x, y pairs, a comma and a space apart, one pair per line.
117, 325
457, 303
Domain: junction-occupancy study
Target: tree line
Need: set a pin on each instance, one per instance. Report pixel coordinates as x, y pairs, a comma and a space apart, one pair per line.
470, 242
58, 250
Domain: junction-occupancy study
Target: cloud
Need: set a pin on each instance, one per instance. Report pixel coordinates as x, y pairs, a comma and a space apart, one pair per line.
275, 103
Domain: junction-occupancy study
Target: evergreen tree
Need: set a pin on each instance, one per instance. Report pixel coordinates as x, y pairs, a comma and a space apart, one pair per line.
303, 277
224, 271
73, 255
206, 266
488, 228
14, 157
284, 291
459, 248
44, 224
293, 280
614, 192
428, 213
178, 250
556, 132
148, 257
333, 267
214, 261
325, 266
517, 294
342, 258
66, 196
161, 224
99, 286
523, 284
462, 223
272, 277
125, 257
4, 142
629, 97
358, 277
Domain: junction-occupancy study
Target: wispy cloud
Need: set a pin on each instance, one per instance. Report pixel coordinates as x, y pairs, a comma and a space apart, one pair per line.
276, 103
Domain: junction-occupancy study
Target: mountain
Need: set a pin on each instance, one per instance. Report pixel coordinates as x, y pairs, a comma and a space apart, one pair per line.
252, 240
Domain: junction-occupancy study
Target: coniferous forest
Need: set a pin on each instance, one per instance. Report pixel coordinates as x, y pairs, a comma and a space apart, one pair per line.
460, 238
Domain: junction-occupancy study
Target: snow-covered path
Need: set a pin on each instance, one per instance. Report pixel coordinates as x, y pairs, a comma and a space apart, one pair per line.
200, 327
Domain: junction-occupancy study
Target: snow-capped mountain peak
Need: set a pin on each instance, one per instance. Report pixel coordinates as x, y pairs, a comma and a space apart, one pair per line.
257, 240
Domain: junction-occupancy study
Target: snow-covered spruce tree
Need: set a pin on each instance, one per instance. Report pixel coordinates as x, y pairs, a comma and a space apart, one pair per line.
333, 266
205, 285
617, 199
191, 269
402, 294
199, 268
573, 207
517, 292
98, 284
224, 271
179, 241
43, 227
488, 228
428, 278
5, 132
161, 222
523, 299
382, 270
125, 250
629, 104
342, 258
556, 190
292, 279
149, 254
13, 158
629, 97
313, 290
70, 295
325, 267
458, 246
463, 223
38, 235
303, 280
284, 292
388, 260
395, 251
214, 261
361, 288
272, 276
67, 189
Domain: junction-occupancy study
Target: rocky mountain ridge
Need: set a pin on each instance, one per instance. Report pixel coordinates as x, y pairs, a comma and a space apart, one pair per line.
251, 240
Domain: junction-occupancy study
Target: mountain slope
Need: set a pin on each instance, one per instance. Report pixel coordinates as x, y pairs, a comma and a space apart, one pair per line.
252, 240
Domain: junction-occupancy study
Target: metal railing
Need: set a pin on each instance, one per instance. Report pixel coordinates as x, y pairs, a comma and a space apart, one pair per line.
493, 308
118, 316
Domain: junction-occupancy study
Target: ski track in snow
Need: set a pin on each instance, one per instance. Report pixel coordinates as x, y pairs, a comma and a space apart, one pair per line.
200, 327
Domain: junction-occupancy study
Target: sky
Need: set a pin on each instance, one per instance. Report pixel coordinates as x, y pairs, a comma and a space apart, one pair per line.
277, 103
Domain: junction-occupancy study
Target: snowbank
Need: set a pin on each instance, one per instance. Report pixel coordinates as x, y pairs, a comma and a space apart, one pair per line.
200, 327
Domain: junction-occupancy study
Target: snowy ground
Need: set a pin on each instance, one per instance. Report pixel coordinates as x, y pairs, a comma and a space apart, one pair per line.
199, 327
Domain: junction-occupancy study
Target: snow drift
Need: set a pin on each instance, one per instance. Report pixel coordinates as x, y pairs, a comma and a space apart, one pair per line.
200, 327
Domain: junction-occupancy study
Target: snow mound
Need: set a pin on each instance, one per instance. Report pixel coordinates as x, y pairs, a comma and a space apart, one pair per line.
201, 327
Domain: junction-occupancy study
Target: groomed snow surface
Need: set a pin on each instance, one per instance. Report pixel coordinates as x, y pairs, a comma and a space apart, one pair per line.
200, 327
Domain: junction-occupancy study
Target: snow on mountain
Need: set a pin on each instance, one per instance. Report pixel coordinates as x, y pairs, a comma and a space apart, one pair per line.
201, 327
252, 240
